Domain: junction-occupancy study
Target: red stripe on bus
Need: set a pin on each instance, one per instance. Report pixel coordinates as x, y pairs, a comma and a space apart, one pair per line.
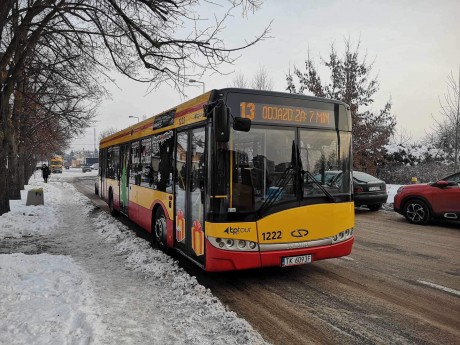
190, 110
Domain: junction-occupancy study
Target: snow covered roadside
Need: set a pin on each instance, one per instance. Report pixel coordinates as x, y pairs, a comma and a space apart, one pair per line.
391, 190
46, 299
97, 283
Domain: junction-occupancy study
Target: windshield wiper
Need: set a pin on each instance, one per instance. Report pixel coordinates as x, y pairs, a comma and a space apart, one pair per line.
329, 196
280, 184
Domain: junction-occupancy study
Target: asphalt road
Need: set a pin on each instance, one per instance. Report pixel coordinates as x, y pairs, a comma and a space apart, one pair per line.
400, 285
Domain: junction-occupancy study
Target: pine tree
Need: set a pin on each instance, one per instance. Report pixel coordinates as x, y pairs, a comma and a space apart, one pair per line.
350, 81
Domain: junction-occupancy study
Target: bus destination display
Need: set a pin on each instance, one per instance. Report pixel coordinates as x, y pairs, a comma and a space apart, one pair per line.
279, 114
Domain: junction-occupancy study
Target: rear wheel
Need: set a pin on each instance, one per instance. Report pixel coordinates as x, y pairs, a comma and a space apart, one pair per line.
113, 211
416, 211
160, 229
375, 207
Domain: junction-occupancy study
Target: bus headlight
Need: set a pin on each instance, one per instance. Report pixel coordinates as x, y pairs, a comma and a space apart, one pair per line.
342, 236
233, 244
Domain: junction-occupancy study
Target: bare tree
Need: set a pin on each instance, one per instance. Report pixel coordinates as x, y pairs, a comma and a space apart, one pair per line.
262, 80
448, 129
106, 132
401, 137
239, 80
133, 36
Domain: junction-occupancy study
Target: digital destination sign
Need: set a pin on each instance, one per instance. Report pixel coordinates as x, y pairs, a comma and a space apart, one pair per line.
272, 113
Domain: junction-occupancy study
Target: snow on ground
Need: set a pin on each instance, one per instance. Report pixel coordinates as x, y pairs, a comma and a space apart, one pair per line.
46, 299
70, 274
391, 190
87, 279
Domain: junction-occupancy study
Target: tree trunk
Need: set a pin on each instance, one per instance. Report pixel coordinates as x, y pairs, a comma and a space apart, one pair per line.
21, 171
5, 139
4, 200
14, 193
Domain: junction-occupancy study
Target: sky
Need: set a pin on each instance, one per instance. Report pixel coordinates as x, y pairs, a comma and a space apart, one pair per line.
414, 46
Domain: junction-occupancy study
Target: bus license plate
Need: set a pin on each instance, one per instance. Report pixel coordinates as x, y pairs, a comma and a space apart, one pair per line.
296, 260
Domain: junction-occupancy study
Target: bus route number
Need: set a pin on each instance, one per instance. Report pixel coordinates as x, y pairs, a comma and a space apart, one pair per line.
271, 235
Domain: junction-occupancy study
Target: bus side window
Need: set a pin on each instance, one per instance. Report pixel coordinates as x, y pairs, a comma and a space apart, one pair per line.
116, 163
110, 170
162, 161
135, 164
146, 173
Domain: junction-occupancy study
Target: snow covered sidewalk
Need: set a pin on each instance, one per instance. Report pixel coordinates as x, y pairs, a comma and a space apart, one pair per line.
71, 274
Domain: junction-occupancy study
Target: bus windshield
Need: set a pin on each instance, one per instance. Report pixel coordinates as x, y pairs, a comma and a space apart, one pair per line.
271, 166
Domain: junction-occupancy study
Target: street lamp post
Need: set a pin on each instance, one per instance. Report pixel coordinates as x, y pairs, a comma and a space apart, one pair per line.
134, 117
197, 81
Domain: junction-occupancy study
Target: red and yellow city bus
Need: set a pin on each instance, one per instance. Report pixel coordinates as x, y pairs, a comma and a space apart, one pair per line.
235, 178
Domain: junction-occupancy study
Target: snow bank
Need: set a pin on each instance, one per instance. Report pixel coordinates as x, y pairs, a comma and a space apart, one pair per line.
46, 299
25, 220
51, 299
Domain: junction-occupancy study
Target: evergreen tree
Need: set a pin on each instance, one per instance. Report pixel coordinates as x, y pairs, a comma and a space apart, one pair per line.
350, 81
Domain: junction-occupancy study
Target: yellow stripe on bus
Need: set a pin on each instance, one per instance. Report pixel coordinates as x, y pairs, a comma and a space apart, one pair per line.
299, 224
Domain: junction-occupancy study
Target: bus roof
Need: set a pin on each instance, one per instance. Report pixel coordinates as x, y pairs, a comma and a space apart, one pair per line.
280, 94
192, 111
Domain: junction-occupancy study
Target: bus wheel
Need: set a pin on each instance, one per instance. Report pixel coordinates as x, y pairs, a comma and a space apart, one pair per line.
113, 211
160, 229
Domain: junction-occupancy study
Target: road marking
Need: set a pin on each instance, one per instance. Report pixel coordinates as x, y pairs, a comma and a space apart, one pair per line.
440, 287
347, 258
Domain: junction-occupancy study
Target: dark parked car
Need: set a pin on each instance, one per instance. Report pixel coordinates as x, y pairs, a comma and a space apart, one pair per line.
368, 190
86, 168
421, 202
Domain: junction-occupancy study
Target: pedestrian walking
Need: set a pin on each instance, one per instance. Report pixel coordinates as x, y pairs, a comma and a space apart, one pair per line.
45, 172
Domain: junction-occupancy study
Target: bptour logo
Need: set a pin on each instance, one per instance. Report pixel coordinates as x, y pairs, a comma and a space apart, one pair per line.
236, 230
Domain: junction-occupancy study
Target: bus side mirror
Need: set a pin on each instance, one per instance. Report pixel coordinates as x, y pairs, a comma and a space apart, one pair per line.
241, 124
221, 116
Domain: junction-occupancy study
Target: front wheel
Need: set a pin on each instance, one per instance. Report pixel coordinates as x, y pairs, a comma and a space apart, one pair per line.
416, 212
160, 230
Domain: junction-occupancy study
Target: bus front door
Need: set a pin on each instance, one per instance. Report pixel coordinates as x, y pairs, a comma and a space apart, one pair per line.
189, 195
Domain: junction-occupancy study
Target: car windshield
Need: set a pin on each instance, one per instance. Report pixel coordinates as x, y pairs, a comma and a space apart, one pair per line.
453, 178
319, 153
362, 177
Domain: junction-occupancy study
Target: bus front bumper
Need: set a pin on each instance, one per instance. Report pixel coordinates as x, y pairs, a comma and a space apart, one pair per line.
224, 260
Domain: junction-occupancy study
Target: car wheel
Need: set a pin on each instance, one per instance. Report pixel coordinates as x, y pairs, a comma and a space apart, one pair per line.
375, 207
416, 212
160, 229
